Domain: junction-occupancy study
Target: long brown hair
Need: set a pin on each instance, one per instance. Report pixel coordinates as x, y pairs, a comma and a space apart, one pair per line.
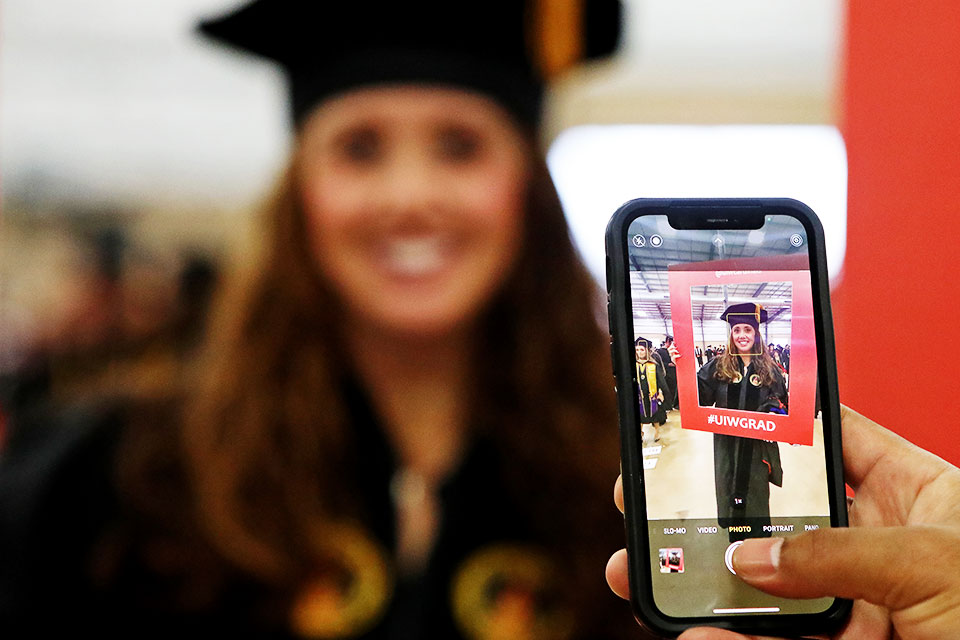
266, 435
728, 367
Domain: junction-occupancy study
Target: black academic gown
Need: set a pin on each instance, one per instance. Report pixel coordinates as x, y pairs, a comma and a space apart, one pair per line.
670, 370
744, 468
58, 496
652, 410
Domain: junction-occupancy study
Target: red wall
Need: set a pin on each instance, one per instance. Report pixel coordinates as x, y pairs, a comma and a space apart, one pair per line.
897, 308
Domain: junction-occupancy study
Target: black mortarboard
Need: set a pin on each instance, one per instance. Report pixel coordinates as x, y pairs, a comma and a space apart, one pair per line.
745, 313
506, 49
643, 342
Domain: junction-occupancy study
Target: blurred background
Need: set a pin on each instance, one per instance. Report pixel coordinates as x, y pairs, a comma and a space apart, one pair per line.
133, 157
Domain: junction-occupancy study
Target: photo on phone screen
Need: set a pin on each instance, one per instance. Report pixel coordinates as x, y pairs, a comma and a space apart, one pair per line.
727, 394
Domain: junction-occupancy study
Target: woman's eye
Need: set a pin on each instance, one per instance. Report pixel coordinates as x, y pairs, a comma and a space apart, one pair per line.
459, 144
361, 146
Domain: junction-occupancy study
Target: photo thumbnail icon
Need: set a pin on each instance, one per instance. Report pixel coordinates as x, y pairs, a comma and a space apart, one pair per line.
671, 560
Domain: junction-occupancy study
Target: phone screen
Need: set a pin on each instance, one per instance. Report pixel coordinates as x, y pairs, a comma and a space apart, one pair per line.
727, 393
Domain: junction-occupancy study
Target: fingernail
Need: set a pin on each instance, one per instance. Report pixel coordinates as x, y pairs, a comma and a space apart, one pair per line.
757, 557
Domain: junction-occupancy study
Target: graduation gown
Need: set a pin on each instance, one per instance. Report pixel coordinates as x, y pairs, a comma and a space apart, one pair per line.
58, 497
744, 468
652, 410
670, 372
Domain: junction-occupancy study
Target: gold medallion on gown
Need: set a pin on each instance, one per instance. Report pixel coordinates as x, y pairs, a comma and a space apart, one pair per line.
349, 590
506, 592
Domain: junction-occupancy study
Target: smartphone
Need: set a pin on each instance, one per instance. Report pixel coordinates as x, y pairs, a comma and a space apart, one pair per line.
723, 356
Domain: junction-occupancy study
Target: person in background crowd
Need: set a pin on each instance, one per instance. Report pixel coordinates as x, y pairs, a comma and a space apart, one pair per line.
666, 388
651, 381
675, 356
671, 372
774, 350
373, 444
125, 323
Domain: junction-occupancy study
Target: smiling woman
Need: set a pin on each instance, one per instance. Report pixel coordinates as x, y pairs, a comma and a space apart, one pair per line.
402, 423
746, 378
414, 200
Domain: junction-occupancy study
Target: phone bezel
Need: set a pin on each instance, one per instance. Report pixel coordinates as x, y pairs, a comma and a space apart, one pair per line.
716, 212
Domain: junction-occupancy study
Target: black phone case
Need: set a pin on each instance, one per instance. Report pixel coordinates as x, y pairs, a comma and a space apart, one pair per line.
621, 329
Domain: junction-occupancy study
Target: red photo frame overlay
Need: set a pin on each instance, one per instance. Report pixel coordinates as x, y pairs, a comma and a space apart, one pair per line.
795, 428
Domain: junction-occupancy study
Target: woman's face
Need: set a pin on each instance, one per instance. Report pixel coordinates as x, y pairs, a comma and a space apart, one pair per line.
641, 353
743, 337
414, 202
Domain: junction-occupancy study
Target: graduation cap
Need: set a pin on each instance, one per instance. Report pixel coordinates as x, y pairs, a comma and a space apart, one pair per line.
506, 49
745, 313
643, 342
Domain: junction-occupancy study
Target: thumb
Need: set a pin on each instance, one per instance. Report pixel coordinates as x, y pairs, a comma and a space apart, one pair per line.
895, 567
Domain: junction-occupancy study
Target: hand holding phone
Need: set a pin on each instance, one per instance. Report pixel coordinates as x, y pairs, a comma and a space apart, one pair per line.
882, 564
753, 451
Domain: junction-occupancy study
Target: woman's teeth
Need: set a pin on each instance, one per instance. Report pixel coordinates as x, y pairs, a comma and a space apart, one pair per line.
414, 257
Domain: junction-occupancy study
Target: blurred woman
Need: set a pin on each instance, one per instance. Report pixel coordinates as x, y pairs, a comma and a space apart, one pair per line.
402, 420
746, 378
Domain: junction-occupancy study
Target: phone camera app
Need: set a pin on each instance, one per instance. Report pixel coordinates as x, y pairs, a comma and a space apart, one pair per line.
671, 560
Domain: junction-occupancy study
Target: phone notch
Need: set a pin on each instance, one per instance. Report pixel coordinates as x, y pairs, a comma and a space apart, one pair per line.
686, 218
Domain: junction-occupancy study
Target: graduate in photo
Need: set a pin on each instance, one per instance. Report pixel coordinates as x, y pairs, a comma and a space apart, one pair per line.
746, 378
665, 352
651, 387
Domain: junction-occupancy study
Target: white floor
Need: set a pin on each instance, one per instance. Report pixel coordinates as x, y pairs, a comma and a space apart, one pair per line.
680, 483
